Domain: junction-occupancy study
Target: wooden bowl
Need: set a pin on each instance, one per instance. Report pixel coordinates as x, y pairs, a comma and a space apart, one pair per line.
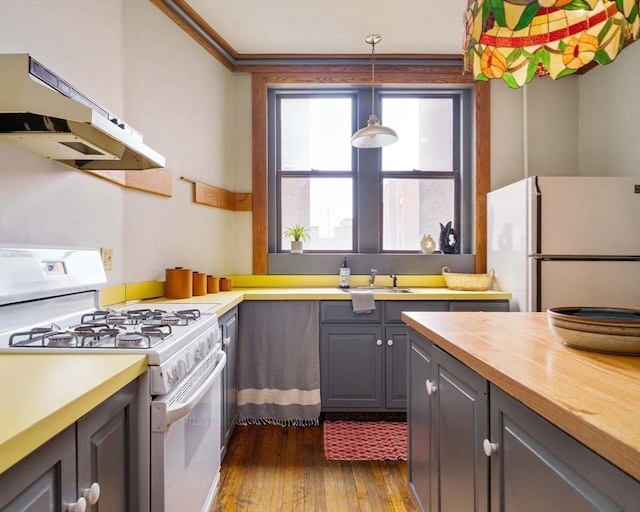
611, 330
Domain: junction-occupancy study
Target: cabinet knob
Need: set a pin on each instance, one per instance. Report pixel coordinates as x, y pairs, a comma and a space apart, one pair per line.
489, 448
390, 342
378, 342
78, 506
227, 340
431, 387
92, 494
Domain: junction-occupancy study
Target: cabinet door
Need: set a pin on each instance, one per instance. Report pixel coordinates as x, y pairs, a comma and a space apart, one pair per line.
107, 452
395, 351
537, 466
45, 480
419, 421
351, 367
229, 324
460, 426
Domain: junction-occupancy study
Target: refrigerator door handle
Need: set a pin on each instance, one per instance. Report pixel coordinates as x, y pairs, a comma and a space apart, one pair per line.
534, 286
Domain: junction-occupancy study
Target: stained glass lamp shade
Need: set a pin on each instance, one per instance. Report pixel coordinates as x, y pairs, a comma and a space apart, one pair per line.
516, 40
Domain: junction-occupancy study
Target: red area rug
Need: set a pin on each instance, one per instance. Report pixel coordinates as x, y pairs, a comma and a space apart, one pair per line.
365, 440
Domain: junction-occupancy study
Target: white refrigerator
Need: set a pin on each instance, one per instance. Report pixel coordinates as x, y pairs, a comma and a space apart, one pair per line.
566, 241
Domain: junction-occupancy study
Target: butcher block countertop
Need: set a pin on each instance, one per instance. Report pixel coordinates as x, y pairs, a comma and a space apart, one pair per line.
42, 394
592, 396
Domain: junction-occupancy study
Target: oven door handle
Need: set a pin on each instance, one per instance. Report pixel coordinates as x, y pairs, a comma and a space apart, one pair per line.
165, 412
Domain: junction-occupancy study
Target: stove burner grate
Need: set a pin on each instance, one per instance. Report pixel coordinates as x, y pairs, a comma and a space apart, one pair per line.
141, 316
93, 335
35, 335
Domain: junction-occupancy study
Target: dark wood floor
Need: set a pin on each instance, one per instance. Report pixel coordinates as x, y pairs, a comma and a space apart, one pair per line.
271, 468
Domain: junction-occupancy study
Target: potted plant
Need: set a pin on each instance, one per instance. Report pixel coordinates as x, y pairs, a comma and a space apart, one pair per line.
299, 234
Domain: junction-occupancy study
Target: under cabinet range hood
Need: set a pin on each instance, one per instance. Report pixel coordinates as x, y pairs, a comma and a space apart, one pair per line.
41, 112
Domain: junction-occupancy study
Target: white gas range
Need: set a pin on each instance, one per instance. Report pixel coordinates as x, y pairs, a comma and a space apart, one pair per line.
49, 302
173, 337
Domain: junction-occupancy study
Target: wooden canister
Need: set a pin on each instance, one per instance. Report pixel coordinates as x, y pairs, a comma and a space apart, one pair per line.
199, 283
225, 284
178, 283
213, 284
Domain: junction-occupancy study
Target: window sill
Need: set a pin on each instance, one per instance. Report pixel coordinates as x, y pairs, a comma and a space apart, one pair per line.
407, 264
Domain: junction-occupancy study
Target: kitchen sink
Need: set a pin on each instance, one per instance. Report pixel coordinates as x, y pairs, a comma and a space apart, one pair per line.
377, 289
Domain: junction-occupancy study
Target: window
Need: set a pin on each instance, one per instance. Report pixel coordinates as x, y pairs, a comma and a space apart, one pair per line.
314, 169
421, 172
376, 201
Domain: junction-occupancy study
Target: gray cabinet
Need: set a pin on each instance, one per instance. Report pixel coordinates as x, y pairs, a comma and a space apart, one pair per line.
363, 356
229, 328
351, 369
459, 425
448, 420
106, 442
395, 351
100, 447
44, 480
472, 447
537, 466
419, 423
479, 305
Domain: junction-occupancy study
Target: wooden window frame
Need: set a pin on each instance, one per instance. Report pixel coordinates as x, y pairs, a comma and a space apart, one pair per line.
263, 77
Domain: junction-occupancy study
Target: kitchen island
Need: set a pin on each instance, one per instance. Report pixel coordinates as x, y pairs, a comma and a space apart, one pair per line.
494, 357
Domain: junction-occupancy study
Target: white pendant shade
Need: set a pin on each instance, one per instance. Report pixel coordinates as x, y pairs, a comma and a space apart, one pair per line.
374, 135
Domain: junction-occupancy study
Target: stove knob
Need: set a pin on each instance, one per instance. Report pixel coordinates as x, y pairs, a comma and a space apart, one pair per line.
181, 368
189, 360
171, 376
203, 347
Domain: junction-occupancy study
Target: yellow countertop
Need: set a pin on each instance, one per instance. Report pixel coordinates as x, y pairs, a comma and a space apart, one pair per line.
592, 396
42, 394
228, 300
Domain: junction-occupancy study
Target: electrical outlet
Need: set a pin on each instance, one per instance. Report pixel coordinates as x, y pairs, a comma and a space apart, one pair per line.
107, 257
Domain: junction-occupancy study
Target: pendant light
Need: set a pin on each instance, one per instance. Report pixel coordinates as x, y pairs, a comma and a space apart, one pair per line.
374, 135
515, 40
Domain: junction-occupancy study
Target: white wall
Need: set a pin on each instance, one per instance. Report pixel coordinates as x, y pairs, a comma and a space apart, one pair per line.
507, 136
609, 128
132, 59
579, 125
534, 130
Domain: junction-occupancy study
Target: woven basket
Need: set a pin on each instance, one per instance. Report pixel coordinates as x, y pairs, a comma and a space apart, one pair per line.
468, 282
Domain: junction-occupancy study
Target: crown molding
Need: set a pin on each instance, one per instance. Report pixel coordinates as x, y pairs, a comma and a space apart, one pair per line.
193, 24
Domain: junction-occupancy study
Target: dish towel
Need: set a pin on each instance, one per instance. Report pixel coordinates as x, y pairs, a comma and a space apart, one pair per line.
363, 302
279, 363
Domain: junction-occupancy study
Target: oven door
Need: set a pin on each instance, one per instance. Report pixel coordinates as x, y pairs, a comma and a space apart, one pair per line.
185, 440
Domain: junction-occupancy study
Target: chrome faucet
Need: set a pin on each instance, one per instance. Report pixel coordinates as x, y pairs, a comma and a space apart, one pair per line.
395, 280
372, 276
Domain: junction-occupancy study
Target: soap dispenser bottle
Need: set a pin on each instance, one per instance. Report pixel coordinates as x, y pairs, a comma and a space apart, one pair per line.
345, 274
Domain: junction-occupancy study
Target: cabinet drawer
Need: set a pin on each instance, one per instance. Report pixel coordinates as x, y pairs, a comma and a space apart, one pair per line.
342, 311
479, 305
394, 308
